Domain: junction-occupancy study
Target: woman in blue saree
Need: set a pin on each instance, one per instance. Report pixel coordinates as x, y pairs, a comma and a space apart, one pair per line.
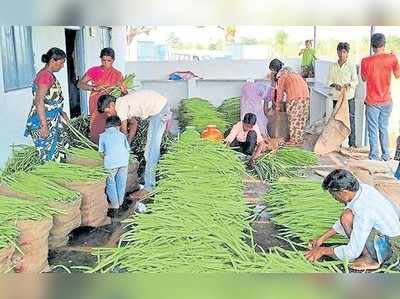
44, 119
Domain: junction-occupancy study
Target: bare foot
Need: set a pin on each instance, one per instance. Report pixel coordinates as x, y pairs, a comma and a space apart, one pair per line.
364, 263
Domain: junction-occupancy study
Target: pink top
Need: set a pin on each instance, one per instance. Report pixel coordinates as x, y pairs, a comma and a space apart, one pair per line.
238, 133
44, 77
94, 73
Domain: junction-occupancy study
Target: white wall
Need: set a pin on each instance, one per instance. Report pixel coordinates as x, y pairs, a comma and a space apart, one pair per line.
213, 69
15, 105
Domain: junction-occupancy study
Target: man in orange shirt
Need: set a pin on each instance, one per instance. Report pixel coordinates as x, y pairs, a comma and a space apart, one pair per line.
376, 71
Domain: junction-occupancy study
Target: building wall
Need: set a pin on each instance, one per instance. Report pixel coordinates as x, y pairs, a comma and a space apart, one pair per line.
15, 105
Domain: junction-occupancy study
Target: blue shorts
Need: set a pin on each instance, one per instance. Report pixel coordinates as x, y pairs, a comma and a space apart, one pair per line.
379, 246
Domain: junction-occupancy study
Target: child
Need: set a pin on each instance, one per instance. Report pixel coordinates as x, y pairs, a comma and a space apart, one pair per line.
397, 157
245, 135
114, 146
308, 60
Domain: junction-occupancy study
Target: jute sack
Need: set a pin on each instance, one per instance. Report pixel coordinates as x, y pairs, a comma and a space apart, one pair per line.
83, 162
33, 242
391, 189
5, 259
94, 203
64, 224
337, 129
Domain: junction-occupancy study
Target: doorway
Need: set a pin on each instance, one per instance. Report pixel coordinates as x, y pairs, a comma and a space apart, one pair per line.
75, 69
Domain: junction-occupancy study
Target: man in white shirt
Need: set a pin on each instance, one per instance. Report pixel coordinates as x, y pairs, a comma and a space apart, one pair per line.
369, 221
141, 104
343, 74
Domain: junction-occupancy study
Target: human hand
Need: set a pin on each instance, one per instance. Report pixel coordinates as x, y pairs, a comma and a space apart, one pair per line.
347, 85
44, 131
314, 244
314, 254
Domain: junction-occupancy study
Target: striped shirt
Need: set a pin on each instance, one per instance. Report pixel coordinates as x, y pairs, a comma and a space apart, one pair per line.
371, 210
293, 85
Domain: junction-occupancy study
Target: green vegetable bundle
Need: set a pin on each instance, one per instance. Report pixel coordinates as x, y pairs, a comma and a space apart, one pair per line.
62, 172
12, 209
198, 218
199, 222
77, 131
287, 161
230, 109
23, 158
200, 113
8, 235
303, 208
40, 188
84, 153
129, 81
278, 260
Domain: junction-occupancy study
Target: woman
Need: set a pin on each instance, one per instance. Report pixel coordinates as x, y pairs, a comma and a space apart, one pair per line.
97, 79
295, 88
44, 119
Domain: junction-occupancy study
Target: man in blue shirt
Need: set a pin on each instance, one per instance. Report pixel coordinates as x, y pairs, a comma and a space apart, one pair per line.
114, 146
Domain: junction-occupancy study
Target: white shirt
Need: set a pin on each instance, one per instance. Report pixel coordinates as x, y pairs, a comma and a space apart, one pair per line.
142, 104
347, 73
371, 210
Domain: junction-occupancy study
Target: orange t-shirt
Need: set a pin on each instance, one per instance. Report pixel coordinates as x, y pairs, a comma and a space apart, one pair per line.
377, 71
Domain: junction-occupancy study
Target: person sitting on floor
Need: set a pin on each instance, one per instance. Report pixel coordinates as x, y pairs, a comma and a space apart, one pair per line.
113, 145
245, 135
369, 220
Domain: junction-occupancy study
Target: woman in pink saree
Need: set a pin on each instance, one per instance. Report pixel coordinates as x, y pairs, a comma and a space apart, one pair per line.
96, 80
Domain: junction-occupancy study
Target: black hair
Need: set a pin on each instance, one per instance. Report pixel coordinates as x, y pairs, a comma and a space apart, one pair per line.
104, 102
343, 46
107, 52
275, 65
378, 40
340, 180
53, 53
250, 118
113, 121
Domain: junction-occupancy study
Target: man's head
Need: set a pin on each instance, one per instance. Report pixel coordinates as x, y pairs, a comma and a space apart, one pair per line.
308, 43
343, 49
106, 104
249, 120
378, 41
342, 184
113, 121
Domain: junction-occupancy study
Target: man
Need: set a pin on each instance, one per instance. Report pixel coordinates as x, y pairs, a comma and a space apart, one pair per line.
307, 60
245, 135
140, 104
343, 75
377, 70
369, 221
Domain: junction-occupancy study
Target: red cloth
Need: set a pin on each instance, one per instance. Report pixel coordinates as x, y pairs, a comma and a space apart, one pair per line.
100, 76
44, 77
377, 71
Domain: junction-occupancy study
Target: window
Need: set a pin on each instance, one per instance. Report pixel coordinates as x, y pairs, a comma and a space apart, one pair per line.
215, 42
105, 37
16, 57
